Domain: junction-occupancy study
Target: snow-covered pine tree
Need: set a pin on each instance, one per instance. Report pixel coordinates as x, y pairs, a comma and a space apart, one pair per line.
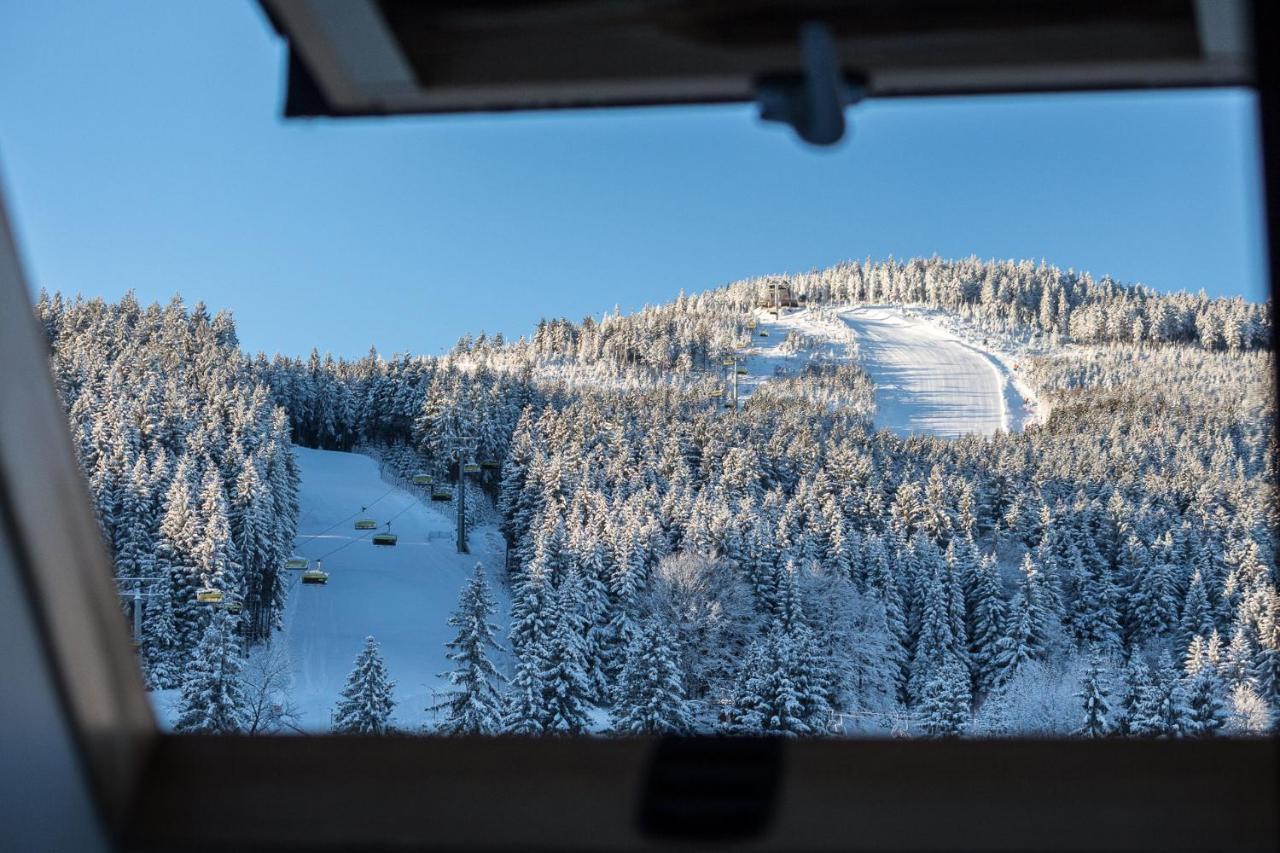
567, 689
366, 702
212, 695
944, 702
986, 612
1093, 695
649, 696
1202, 687
474, 706
765, 699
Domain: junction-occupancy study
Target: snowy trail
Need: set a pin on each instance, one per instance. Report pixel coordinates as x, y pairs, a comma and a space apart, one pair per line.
401, 595
927, 380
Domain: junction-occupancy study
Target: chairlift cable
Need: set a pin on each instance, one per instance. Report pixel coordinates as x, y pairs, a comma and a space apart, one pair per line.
340, 522
363, 536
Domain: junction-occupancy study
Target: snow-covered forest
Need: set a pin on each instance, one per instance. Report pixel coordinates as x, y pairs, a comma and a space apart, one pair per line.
679, 563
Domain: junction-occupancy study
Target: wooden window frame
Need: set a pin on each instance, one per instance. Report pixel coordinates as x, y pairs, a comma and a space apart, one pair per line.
160, 791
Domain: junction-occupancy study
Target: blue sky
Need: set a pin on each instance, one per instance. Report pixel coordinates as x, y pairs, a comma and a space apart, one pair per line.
141, 147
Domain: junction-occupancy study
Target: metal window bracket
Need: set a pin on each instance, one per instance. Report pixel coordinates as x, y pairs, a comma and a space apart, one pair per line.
813, 101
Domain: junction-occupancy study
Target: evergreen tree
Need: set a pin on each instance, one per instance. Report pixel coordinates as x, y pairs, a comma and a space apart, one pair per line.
474, 706
567, 687
766, 699
1093, 695
212, 695
944, 701
649, 697
366, 703
986, 617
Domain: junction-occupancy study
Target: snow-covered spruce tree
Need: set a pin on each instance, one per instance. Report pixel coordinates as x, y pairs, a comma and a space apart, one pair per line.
1167, 708
566, 687
1027, 636
160, 648
1136, 713
474, 705
765, 699
1206, 711
524, 708
986, 611
212, 696
366, 702
1093, 695
944, 702
649, 697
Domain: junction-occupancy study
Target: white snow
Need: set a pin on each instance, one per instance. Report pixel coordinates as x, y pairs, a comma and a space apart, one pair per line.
401, 595
928, 379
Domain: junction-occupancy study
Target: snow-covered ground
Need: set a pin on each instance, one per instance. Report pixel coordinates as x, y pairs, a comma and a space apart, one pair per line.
929, 380
402, 595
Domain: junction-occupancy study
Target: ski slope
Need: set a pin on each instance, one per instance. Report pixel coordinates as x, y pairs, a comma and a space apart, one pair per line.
402, 595
928, 381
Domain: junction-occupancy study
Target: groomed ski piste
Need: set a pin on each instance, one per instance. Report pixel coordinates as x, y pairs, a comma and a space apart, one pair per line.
402, 595
928, 380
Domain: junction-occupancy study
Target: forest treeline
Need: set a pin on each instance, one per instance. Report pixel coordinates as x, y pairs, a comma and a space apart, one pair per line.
782, 567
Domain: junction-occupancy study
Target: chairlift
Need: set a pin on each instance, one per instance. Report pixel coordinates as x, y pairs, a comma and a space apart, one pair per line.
386, 537
471, 468
422, 479
729, 362
490, 464
366, 524
234, 606
209, 595
763, 333
718, 392
294, 564
442, 493
729, 404
316, 575
741, 371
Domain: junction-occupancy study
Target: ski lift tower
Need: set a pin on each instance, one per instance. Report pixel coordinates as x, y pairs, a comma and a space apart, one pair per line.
137, 594
464, 449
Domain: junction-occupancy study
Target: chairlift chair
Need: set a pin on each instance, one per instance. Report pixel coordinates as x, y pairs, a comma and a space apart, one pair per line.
441, 493
316, 575
209, 595
490, 464
366, 524
422, 479
471, 468
763, 333
741, 371
386, 537
294, 564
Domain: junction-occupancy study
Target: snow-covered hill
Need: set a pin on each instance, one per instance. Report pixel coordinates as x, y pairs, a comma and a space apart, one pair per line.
401, 595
